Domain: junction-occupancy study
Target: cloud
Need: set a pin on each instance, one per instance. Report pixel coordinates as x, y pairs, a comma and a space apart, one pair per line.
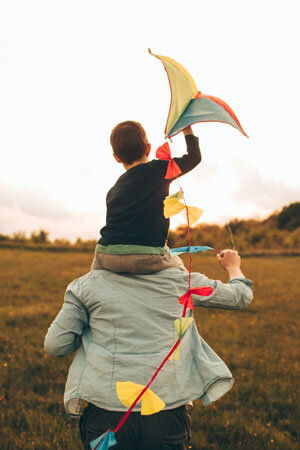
85, 225
33, 201
33, 209
266, 195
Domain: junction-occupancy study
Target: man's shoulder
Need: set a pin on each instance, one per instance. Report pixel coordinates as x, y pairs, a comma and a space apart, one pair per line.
87, 278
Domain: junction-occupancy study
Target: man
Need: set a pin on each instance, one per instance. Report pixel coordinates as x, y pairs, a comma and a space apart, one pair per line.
123, 328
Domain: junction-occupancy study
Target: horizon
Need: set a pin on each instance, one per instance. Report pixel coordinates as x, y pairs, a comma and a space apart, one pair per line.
51, 239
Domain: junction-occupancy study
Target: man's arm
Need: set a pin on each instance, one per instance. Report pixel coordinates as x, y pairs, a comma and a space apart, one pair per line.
193, 157
236, 294
64, 334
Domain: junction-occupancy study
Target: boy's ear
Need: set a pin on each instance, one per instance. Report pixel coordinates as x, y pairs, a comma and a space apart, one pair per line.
148, 149
116, 158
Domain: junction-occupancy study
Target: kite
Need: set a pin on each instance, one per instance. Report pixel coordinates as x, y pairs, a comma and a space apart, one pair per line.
173, 206
188, 105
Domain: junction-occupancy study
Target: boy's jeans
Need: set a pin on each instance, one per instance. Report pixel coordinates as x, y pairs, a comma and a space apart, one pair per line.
166, 430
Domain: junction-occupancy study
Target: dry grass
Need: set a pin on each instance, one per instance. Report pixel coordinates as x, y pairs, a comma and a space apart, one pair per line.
259, 344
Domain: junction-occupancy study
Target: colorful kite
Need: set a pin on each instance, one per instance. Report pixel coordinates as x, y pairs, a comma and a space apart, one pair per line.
188, 105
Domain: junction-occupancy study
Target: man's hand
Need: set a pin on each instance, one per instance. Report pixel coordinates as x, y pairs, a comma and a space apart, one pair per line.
231, 262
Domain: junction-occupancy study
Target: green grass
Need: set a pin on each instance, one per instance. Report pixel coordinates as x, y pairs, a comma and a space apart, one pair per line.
259, 344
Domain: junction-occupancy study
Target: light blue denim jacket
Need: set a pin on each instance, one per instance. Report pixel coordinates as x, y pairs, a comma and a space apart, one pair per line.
122, 327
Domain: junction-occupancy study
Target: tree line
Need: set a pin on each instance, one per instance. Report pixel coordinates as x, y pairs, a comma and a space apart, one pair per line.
281, 230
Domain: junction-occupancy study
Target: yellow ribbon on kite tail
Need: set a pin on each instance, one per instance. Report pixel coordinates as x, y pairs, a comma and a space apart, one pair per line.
128, 392
181, 326
173, 206
194, 214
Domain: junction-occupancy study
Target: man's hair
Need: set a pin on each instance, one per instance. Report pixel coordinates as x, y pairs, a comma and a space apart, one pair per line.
129, 141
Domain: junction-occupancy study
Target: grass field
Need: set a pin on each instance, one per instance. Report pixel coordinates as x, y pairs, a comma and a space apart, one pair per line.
259, 344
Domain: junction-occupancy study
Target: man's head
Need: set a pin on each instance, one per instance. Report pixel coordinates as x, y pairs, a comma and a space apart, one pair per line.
129, 142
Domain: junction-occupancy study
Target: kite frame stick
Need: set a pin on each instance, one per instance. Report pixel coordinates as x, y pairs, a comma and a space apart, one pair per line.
169, 81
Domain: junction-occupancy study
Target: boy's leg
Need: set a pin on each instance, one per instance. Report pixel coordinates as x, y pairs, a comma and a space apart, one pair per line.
137, 263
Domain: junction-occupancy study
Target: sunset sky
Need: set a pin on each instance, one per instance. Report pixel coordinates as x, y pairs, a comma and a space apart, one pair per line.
71, 70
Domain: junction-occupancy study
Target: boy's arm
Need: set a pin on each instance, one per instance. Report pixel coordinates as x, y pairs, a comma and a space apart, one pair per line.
64, 334
193, 157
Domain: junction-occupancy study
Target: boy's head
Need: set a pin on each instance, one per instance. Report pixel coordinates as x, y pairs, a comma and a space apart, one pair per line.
129, 142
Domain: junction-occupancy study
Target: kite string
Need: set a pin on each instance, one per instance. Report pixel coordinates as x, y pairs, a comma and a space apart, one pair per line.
190, 243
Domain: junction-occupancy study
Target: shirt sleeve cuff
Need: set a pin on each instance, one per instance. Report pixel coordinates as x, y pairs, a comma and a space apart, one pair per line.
243, 280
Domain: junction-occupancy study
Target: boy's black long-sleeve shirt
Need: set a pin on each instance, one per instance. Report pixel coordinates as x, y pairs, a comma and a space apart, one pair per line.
135, 208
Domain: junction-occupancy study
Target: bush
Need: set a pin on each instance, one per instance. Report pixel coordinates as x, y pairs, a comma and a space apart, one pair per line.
40, 237
289, 217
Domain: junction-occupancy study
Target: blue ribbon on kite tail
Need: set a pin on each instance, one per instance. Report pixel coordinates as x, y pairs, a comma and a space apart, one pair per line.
108, 440
189, 249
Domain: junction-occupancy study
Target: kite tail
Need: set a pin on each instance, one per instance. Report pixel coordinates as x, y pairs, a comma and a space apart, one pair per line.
107, 439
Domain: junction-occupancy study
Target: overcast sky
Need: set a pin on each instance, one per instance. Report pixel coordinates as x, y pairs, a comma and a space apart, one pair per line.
71, 70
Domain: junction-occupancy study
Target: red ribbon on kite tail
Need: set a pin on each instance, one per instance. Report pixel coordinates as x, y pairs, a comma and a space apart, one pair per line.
186, 299
163, 152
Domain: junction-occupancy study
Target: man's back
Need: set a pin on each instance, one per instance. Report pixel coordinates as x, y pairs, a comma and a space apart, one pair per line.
127, 328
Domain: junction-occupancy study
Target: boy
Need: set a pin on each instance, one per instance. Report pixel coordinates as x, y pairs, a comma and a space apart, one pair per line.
133, 239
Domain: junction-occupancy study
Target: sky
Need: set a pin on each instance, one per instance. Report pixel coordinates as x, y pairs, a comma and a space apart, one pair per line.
71, 70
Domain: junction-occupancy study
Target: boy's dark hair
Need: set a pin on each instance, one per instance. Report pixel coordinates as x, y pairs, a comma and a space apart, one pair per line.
129, 141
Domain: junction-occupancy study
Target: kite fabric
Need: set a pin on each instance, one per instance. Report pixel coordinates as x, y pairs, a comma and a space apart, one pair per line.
181, 326
173, 206
189, 249
163, 152
104, 442
188, 105
128, 392
186, 299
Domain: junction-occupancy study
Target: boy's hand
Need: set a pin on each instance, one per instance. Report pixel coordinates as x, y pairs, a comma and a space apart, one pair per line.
188, 131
